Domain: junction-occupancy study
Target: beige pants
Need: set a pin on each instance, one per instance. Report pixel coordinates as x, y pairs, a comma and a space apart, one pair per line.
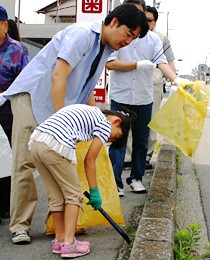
158, 93
59, 176
23, 187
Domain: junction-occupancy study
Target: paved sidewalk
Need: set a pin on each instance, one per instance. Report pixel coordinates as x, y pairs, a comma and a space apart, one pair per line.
189, 202
193, 194
155, 234
202, 162
175, 199
106, 242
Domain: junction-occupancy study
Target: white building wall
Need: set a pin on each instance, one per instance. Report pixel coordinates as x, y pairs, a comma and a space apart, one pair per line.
115, 3
66, 9
9, 5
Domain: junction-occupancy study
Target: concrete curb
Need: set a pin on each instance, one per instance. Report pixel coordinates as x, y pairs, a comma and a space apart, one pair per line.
155, 234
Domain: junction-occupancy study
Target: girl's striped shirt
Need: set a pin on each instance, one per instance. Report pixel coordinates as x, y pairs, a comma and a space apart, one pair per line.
72, 124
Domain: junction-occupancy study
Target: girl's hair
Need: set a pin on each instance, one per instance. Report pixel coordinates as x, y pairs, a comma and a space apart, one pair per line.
13, 30
129, 15
141, 2
126, 116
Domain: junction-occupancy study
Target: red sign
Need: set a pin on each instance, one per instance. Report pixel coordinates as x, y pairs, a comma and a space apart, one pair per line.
100, 95
91, 6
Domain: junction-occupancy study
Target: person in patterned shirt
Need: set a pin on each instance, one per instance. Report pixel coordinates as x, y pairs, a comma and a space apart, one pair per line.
13, 58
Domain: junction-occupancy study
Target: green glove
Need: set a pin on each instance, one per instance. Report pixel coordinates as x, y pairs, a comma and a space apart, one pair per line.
95, 198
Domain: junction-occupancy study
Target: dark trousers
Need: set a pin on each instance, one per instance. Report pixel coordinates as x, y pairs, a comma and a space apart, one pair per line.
5, 185
140, 135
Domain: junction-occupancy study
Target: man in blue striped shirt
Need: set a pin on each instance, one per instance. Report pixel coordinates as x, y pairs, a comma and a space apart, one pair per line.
64, 72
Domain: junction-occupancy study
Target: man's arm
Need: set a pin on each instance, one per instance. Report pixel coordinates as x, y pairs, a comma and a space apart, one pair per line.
167, 71
169, 53
59, 80
121, 65
172, 65
91, 100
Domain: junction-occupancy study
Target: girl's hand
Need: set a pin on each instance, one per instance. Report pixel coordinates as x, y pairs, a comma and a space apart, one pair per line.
95, 199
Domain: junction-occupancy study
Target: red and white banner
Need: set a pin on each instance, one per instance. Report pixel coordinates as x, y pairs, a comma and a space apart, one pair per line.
91, 10
94, 6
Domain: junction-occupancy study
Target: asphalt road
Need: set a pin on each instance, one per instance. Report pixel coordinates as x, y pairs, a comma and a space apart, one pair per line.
202, 163
106, 242
193, 191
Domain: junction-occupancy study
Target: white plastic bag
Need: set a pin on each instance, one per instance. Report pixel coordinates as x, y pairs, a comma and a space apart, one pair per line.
173, 89
5, 155
2, 99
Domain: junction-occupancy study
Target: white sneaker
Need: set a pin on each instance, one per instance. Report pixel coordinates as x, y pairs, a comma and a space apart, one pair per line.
120, 192
137, 186
21, 237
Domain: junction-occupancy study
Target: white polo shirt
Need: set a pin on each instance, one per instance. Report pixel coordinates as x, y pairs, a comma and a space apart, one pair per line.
135, 87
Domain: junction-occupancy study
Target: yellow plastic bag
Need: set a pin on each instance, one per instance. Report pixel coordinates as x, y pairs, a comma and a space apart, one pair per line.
181, 118
107, 187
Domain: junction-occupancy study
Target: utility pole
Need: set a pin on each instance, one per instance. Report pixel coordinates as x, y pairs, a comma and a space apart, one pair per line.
156, 4
18, 21
115, 3
167, 23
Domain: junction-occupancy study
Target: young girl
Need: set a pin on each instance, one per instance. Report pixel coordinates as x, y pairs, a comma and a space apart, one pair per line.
53, 148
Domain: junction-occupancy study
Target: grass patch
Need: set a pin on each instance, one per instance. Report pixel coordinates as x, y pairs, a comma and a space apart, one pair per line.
187, 245
178, 182
125, 251
179, 161
157, 147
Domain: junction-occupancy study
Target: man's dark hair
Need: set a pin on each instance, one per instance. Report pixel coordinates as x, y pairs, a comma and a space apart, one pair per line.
131, 16
152, 10
141, 2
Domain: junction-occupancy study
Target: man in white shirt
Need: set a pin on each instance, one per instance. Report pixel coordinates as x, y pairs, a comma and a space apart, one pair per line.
152, 17
131, 86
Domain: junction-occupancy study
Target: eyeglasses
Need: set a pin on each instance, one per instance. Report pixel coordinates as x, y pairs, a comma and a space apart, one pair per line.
150, 20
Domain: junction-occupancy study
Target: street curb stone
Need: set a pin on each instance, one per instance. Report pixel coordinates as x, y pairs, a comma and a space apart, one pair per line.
155, 234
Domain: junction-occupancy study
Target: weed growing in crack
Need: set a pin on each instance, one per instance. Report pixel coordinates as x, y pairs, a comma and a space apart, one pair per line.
157, 147
186, 246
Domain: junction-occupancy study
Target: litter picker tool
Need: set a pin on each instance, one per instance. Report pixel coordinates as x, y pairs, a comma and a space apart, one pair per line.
162, 48
111, 221
156, 58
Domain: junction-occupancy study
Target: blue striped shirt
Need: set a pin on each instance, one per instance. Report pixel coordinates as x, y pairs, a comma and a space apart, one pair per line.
78, 44
75, 123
